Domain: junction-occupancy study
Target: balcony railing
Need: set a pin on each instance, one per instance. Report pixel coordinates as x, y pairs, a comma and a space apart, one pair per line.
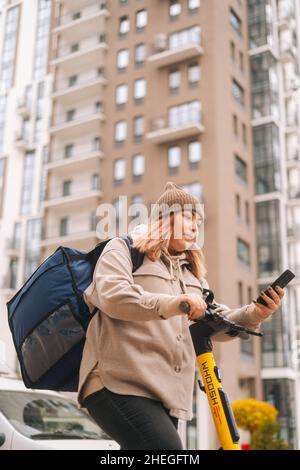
79, 116
294, 192
176, 118
294, 231
82, 79
88, 11
77, 227
83, 189
83, 46
79, 151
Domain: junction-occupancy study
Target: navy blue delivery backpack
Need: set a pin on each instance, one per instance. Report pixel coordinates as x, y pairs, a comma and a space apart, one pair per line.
48, 317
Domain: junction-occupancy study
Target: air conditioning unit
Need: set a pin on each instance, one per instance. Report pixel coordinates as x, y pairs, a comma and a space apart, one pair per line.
160, 42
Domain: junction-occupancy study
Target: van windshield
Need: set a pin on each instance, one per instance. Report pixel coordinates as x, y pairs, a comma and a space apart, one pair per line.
42, 416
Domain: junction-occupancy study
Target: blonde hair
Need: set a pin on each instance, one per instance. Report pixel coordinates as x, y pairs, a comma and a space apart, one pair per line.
152, 237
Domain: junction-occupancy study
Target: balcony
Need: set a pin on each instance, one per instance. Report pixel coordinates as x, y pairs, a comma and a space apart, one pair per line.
81, 195
23, 142
12, 248
163, 56
82, 158
80, 230
83, 121
292, 123
293, 159
83, 86
24, 107
81, 55
294, 231
294, 194
288, 52
89, 19
183, 125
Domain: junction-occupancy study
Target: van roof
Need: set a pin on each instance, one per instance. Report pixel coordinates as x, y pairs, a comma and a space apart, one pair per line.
13, 384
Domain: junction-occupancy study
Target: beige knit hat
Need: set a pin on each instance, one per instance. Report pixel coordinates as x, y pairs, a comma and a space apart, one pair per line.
175, 196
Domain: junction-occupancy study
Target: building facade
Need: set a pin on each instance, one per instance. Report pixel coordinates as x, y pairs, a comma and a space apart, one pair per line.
106, 98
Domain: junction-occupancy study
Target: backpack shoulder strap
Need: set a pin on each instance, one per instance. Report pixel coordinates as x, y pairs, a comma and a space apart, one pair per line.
137, 257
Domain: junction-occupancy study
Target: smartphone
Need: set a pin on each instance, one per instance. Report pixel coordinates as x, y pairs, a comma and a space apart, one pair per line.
281, 281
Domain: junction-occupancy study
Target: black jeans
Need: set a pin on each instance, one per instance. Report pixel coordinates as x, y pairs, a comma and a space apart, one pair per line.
134, 422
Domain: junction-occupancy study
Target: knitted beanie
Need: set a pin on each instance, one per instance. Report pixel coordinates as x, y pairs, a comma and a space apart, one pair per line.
175, 196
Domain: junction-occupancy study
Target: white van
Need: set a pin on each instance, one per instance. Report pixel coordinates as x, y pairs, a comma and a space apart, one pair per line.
39, 419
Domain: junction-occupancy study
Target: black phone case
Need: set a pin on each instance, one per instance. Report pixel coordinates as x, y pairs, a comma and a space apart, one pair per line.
281, 281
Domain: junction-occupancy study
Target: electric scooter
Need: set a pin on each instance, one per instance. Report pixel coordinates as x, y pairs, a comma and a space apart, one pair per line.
202, 331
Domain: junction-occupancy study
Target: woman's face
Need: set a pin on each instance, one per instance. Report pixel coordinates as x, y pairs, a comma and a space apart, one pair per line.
184, 230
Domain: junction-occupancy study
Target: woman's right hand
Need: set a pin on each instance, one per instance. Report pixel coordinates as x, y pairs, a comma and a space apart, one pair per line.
197, 305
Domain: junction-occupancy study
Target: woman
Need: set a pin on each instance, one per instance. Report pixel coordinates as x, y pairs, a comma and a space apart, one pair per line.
138, 366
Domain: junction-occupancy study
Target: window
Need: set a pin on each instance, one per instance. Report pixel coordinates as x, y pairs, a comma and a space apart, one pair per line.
27, 187
139, 89
174, 157
98, 106
247, 213
241, 59
69, 151
235, 22
235, 125
184, 114
122, 59
241, 168
124, 25
96, 144
70, 115
185, 37
139, 54
64, 226
138, 165
2, 180
174, 80
238, 205
194, 152
42, 39
269, 239
174, 8
66, 188
193, 4
138, 128
238, 93
193, 74
74, 47
141, 19
121, 94
243, 252
240, 293
93, 220
232, 51
95, 181
32, 247
244, 133
195, 189
119, 169
120, 131
9, 47
72, 80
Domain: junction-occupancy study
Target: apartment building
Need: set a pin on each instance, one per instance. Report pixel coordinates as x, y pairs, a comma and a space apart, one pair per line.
274, 30
131, 94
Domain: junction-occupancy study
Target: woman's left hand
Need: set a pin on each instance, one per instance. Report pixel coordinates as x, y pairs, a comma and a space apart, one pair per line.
273, 304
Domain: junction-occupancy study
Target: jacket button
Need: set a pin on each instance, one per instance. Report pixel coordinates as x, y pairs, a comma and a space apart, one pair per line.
177, 369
